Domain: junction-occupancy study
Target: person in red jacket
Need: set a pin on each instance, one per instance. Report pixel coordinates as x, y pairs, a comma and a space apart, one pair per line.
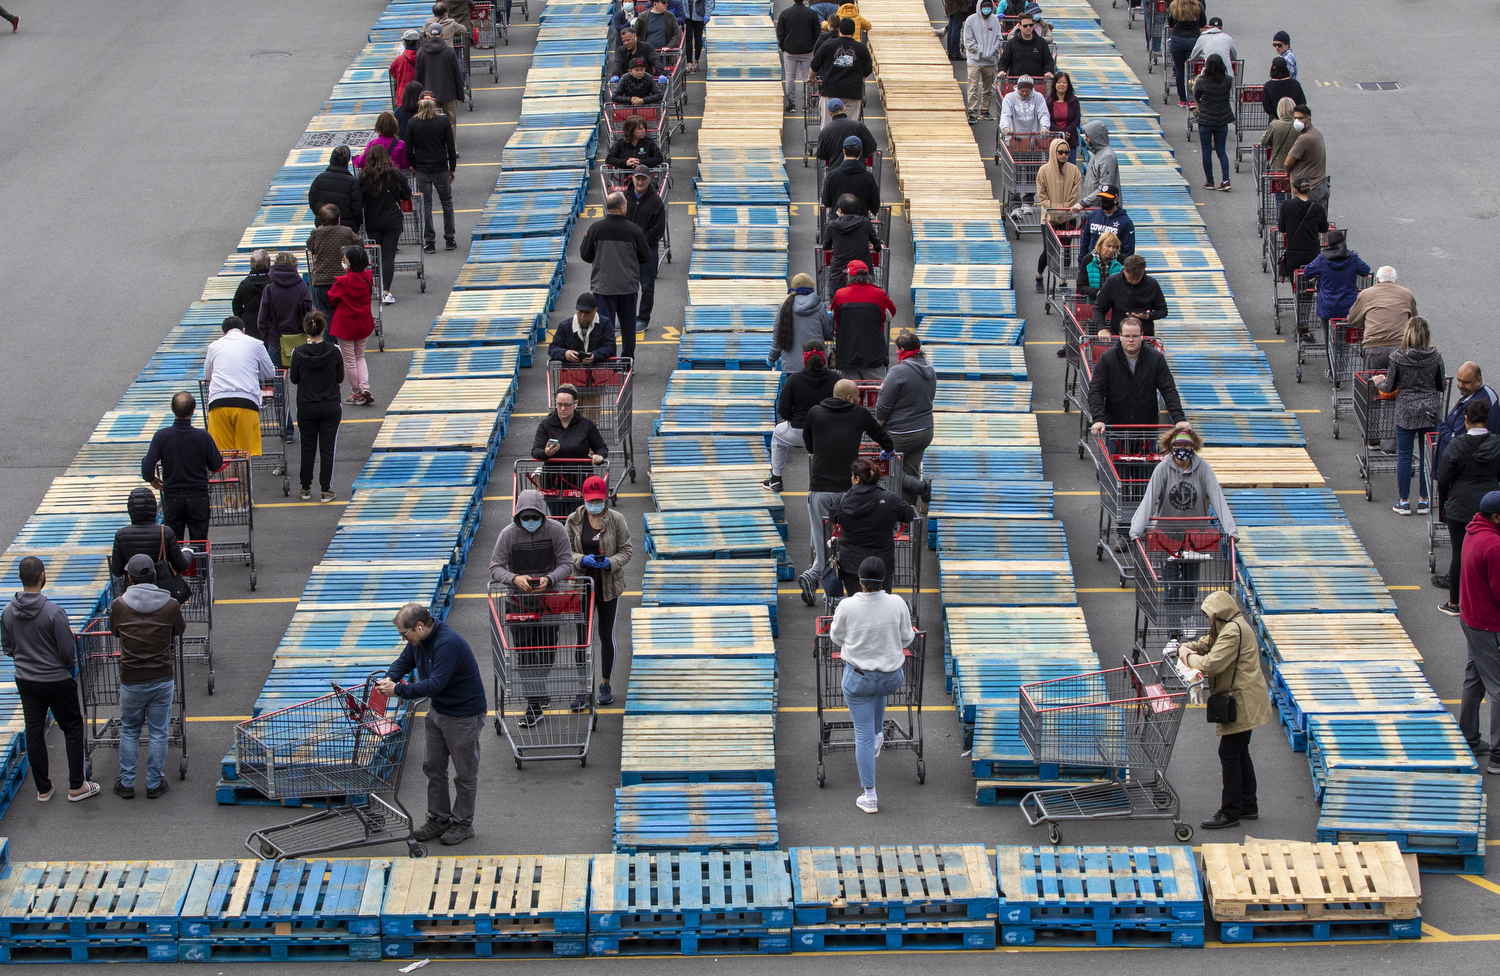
862, 312
352, 321
1479, 613
404, 69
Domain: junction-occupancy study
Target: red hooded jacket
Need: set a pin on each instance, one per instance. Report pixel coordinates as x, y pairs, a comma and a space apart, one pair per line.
404, 70
350, 296
1479, 582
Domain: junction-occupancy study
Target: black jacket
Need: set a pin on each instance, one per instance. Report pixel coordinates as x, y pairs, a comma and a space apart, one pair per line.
1215, 101
1119, 396
1019, 56
647, 151
645, 88
1469, 468
438, 71
842, 66
246, 301
145, 536
616, 248
1303, 222
648, 213
383, 209
577, 440
801, 392
1120, 297
867, 516
839, 128
1275, 89
317, 370
188, 455
623, 58
831, 433
849, 237
600, 342
850, 176
430, 145
338, 186
797, 29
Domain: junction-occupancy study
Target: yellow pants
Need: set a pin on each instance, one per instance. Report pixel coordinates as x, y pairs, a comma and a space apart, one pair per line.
235, 429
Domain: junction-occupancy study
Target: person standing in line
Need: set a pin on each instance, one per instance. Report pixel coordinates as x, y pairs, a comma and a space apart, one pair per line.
871, 630
658, 27
617, 249
338, 186
837, 130
1128, 378
600, 538
1282, 42
801, 318
1213, 95
1479, 615
1471, 384
532, 554
583, 339
796, 32
386, 187
983, 38
325, 249
1103, 168
1281, 85
1131, 294
434, 156
1229, 656
801, 392
1381, 310
403, 69
387, 134
1468, 469
904, 409
1213, 41
1304, 223
853, 178
1281, 135
447, 675
848, 237
353, 323
317, 370
698, 13
236, 368
645, 209
867, 517
34, 633
1308, 157
1185, 21
1058, 183
958, 12
147, 622
842, 65
187, 455
439, 72
1026, 51
1418, 380
411, 97
1067, 111
862, 314
1338, 271
283, 304
245, 305
1024, 111
832, 432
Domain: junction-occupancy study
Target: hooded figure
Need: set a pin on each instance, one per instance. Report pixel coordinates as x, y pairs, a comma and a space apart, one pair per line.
1058, 186
1103, 169
532, 546
801, 317
281, 308
1229, 656
1338, 271
145, 618
145, 536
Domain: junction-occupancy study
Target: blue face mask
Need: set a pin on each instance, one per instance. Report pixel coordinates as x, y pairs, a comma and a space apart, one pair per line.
594, 508
531, 523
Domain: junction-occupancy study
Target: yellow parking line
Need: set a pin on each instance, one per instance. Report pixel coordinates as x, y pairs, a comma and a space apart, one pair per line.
1486, 885
341, 501
263, 599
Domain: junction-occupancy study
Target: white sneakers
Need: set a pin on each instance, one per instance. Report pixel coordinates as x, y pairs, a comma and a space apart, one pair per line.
387, 299
879, 742
867, 804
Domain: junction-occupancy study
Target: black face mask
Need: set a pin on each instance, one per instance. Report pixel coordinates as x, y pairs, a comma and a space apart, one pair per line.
1182, 453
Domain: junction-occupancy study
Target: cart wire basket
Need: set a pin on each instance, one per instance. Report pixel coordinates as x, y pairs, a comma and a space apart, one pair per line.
1178, 563
542, 646
345, 748
606, 395
1125, 719
836, 734
560, 480
99, 685
1124, 458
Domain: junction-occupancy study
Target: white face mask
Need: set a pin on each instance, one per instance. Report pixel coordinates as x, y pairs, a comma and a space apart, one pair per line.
1298, 124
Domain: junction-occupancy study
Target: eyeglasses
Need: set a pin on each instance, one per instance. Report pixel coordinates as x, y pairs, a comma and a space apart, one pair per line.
565, 403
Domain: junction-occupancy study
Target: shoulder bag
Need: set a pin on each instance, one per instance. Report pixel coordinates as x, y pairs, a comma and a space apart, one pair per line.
1223, 709
167, 576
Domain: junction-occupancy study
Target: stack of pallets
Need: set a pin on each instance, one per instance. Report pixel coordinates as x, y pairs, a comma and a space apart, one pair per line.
1105, 896
695, 904
1286, 891
99, 911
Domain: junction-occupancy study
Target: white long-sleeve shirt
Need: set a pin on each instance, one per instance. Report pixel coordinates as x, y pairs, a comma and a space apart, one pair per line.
235, 367
1028, 115
871, 629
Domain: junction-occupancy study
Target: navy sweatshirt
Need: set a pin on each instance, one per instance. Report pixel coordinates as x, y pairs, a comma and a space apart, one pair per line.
449, 674
188, 455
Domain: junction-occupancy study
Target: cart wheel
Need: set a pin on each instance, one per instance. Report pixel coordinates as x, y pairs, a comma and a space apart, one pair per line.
286, 487
1335, 430
498, 729
632, 474
1184, 832
1066, 405
583, 760
1265, 266
266, 849
669, 255
1080, 452
1278, 325
921, 771
594, 725
1369, 492
88, 768
1299, 374
1054, 836
382, 343
820, 775
424, 286
1431, 563
1099, 552
210, 684
416, 850
1122, 582
252, 581
997, 159
518, 763
182, 768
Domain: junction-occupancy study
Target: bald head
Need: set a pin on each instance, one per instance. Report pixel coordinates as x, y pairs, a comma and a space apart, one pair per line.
1469, 378
846, 390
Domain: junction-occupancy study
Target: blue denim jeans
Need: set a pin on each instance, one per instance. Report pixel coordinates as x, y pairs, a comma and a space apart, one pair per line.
1181, 47
150, 702
1210, 138
865, 694
1406, 441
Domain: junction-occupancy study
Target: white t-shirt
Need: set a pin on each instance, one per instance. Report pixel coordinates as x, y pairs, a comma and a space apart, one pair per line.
871, 629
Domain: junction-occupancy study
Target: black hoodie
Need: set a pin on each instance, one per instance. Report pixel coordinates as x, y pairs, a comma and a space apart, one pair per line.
145, 536
851, 177
849, 237
867, 517
831, 433
1470, 467
801, 392
317, 370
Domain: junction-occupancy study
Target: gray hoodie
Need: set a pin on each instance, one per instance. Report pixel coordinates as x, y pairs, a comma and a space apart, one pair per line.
546, 552
35, 632
1102, 166
810, 320
1175, 493
906, 395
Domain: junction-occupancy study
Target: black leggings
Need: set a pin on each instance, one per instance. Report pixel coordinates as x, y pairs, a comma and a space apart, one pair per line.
692, 45
387, 239
604, 619
1456, 531
319, 424
61, 698
1041, 262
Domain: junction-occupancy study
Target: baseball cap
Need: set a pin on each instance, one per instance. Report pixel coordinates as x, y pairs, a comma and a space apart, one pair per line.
854, 142
143, 567
835, 105
857, 267
1109, 190
637, 62
434, 30
412, 35
1489, 504
586, 302
641, 171
1283, 37
427, 96
596, 488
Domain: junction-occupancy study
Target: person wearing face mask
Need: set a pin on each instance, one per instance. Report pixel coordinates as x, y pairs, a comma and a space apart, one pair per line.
1109, 217
983, 37
531, 555
317, 370
1308, 157
600, 539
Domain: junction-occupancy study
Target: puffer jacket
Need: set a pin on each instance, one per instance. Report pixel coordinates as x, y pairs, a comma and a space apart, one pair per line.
338, 186
802, 317
1229, 656
1417, 377
867, 516
1215, 101
614, 543
145, 536
1338, 271
1058, 187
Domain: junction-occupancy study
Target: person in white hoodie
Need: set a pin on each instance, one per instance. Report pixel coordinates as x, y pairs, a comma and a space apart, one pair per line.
983, 38
1024, 111
1215, 41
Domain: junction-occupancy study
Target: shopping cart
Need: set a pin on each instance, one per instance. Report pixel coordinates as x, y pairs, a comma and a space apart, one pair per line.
1126, 720
658, 120
410, 242
1345, 349
1079, 380
275, 430
1273, 247
879, 262
486, 30
1077, 322
461, 46
1376, 413
1437, 529
1194, 69
1272, 187
812, 120
1019, 157
198, 612
1124, 457
99, 688
907, 573
674, 98
1305, 310
837, 734
606, 393
617, 180
542, 646
1178, 562
1155, 13
345, 748
560, 480
1061, 233
231, 504
1249, 116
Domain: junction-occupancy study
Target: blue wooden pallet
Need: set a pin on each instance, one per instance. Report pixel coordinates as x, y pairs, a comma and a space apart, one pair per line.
1158, 935
971, 330
272, 950
1006, 538
737, 264
502, 249
981, 464
1430, 742
999, 752
947, 301
724, 350
1337, 931
681, 582
290, 899
742, 194
695, 817
1303, 689
82, 902
510, 947
229, 792
977, 362
686, 890
693, 942
1248, 430
1098, 886
1433, 813
397, 469
1229, 394
893, 885
488, 898
864, 936
962, 252
729, 318
1284, 506
1332, 589
707, 685
994, 681
703, 451
731, 419
93, 950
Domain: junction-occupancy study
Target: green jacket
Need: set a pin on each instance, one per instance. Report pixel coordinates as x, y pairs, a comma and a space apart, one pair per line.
1229, 656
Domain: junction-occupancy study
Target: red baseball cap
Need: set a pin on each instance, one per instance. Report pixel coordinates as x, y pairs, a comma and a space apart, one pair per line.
595, 488
857, 267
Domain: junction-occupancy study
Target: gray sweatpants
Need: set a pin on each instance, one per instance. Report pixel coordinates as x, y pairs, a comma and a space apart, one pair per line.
456, 737
819, 505
1481, 677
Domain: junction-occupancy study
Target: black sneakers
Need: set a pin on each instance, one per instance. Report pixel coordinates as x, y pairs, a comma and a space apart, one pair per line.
152, 792
809, 587
532, 717
774, 483
457, 833
605, 697
124, 792
434, 828
1449, 607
